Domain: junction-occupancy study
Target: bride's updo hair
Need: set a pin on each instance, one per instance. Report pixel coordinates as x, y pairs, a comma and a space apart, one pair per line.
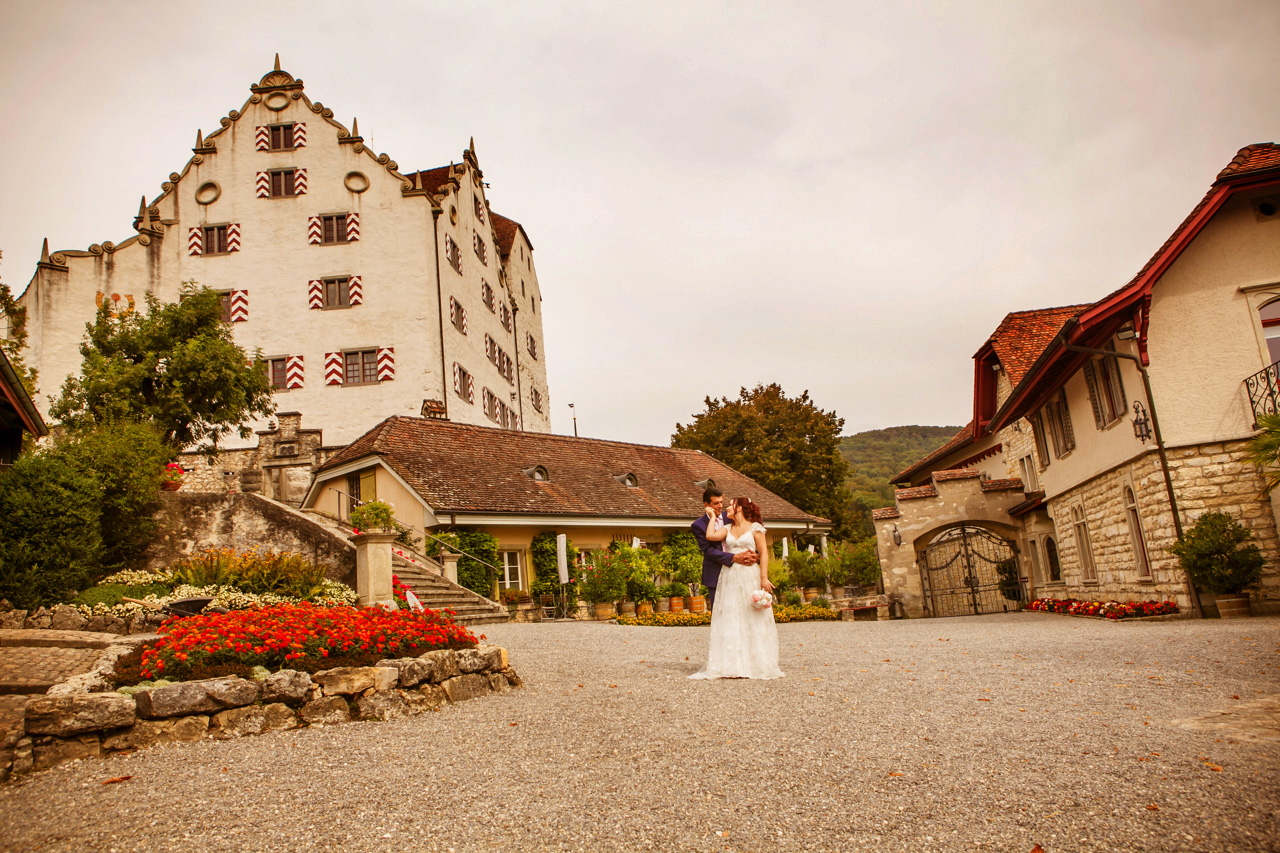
750, 509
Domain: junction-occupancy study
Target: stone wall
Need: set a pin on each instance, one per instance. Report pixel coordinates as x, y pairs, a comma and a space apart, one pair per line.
191, 522
280, 467
1207, 478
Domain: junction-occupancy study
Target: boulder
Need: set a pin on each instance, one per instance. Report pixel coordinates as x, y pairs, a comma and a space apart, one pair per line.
39, 618
348, 680
471, 660
66, 618
279, 718
50, 752
85, 682
13, 619
107, 623
147, 733
196, 697
287, 685
463, 687
445, 662
382, 705
329, 709
428, 697
495, 655
237, 722
498, 682
513, 679
71, 715
23, 760
413, 671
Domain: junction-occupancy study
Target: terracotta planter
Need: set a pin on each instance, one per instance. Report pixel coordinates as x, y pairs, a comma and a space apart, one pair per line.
604, 610
664, 605
697, 604
627, 608
1233, 606
643, 608
677, 604
811, 592
170, 485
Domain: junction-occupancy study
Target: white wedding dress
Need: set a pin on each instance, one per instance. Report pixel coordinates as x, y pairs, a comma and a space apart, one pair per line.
744, 640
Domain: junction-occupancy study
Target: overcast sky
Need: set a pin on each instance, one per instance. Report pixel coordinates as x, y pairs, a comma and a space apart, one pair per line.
842, 197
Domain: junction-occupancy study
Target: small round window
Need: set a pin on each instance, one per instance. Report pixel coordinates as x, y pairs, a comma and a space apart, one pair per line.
208, 192
356, 182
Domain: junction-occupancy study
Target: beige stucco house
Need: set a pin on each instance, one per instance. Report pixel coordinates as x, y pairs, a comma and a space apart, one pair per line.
1066, 405
370, 290
515, 485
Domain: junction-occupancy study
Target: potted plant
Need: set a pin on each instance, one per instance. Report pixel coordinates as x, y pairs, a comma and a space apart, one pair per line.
808, 572
604, 583
675, 592
511, 597
173, 475
1218, 555
697, 598
373, 516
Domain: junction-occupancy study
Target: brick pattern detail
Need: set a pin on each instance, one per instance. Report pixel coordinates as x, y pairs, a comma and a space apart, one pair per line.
315, 295
333, 368
293, 372
885, 512
917, 492
955, 474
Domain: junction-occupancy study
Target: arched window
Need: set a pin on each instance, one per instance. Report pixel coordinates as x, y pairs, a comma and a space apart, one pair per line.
1084, 545
1270, 316
1051, 560
1135, 533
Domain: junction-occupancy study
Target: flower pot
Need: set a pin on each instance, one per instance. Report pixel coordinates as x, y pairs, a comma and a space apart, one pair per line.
811, 592
627, 608
697, 604
664, 605
677, 604
170, 485
1233, 606
604, 610
643, 608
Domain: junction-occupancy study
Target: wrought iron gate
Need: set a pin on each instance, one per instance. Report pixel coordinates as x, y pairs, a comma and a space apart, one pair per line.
967, 571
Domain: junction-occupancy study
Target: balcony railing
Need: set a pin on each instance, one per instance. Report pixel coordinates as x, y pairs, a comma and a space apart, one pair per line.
1264, 391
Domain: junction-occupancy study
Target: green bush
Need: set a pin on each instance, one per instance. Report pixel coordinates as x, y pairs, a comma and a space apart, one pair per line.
820, 601
780, 577
1214, 554
675, 589
114, 593
680, 559
50, 530
542, 553
791, 598
606, 579
374, 515
256, 572
472, 572
806, 569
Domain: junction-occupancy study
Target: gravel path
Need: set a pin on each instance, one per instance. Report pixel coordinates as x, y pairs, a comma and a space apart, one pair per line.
993, 733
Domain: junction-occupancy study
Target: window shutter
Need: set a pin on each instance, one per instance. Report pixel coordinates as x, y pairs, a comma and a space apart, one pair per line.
464, 319
264, 185
314, 232
471, 389
233, 237
1092, 381
1042, 445
1112, 366
453, 310
262, 138
300, 135
386, 363
300, 182
239, 306
488, 347
293, 371
195, 241
457, 379
1064, 418
315, 294
355, 291
353, 227
333, 368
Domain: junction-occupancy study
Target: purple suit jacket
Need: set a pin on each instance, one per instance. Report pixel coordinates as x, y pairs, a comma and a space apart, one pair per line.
713, 559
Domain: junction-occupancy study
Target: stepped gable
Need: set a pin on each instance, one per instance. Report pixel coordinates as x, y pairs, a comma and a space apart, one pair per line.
469, 469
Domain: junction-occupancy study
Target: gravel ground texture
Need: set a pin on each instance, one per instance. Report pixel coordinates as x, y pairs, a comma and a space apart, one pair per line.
979, 733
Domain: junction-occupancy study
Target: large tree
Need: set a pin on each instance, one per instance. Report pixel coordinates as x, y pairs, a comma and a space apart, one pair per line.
786, 444
175, 366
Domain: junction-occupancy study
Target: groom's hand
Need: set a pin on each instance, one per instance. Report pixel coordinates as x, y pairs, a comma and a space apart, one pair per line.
747, 558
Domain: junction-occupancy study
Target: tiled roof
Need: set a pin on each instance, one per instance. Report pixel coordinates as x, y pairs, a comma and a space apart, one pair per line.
504, 231
916, 492
885, 512
1253, 158
432, 179
458, 468
1001, 485
956, 474
960, 439
1023, 335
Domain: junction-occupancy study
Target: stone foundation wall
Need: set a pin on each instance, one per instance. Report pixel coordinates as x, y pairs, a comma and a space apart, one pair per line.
1206, 478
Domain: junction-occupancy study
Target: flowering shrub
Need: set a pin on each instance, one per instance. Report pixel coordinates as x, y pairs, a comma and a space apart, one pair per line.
173, 473
1107, 610
606, 580
297, 636
281, 573
804, 613
133, 577
781, 613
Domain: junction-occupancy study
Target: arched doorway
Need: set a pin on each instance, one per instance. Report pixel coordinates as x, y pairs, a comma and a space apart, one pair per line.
967, 571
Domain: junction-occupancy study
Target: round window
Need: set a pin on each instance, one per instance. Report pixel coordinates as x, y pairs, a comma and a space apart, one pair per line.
356, 182
208, 192
276, 101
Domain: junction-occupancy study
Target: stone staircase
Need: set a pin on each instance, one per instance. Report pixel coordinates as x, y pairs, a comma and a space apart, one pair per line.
426, 578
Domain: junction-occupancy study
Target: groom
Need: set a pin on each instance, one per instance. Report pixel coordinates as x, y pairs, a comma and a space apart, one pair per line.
713, 559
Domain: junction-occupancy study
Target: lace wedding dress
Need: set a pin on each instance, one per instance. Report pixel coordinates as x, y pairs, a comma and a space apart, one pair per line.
744, 640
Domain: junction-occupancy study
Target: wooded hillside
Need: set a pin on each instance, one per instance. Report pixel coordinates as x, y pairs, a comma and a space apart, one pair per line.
876, 455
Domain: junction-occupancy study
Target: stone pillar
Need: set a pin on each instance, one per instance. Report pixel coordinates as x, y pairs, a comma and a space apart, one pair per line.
373, 567
450, 563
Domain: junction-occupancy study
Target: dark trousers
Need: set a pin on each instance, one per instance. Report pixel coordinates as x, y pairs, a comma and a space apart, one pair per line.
711, 598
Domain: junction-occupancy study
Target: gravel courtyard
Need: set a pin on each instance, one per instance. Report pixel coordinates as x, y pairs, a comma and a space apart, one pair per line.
995, 732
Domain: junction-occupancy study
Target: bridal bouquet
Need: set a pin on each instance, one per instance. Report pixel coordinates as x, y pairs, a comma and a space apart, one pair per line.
761, 600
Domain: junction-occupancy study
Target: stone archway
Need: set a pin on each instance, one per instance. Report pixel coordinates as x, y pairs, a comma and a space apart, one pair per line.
968, 570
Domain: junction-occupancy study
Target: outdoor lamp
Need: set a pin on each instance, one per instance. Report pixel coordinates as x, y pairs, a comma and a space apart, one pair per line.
1141, 424
897, 537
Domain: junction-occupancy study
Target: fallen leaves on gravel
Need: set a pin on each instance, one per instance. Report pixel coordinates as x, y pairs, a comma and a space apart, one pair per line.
897, 774
1153, 807
114, 779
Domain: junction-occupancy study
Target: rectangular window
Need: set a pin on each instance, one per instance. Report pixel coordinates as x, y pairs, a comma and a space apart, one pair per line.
283, 182
453, 254
1030, 479
1084, 545
276, 373
361, 367
224, 297
536, 396
511, 578
490, 405
1042, 446
479, 209
337, 292
487, 297
457, 315
333, 228
1137, 537
281, 137
1058, 417
215, 240
504, 316
1106, 391
463, 384
533, 345
481, 249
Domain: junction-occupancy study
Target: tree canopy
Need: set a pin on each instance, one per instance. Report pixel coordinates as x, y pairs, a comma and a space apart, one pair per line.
786, 444
175, 366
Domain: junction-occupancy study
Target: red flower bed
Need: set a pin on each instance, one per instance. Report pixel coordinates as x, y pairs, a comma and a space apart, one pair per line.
1108, 609
297, 634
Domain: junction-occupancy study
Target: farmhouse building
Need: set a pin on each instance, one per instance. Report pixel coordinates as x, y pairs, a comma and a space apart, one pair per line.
1058, 487
369, 290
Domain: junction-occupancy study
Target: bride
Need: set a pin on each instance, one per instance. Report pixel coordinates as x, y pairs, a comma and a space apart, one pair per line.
744, 639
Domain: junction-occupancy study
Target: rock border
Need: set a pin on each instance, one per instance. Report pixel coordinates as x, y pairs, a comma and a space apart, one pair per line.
67, 617
80, 718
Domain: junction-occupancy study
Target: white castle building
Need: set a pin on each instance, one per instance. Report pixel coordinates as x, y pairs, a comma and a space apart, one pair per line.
369, 291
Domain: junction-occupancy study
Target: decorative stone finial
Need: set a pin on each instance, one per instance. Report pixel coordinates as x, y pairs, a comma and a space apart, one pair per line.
199, 139
44, 252
355, 126
277, 68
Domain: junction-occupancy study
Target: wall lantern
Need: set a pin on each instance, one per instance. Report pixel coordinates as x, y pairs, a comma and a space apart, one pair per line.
1141, 423
897, 537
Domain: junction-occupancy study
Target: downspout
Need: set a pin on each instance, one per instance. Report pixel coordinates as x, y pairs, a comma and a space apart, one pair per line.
515, 332
435, 239
1164, 458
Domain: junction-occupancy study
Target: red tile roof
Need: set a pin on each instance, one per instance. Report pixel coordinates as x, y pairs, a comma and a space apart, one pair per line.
1002, 485
885, 512
916, 492
956, 474
1023, 335
1252, 158
504, 231
432, 179
458, 468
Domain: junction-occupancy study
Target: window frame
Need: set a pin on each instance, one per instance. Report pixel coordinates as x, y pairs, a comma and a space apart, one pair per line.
215, 231
1052, 561
285, 130
339, 221
1030, 476
1084, 544
363, 366
270, 364
342, 285
1137, 535
505, 581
